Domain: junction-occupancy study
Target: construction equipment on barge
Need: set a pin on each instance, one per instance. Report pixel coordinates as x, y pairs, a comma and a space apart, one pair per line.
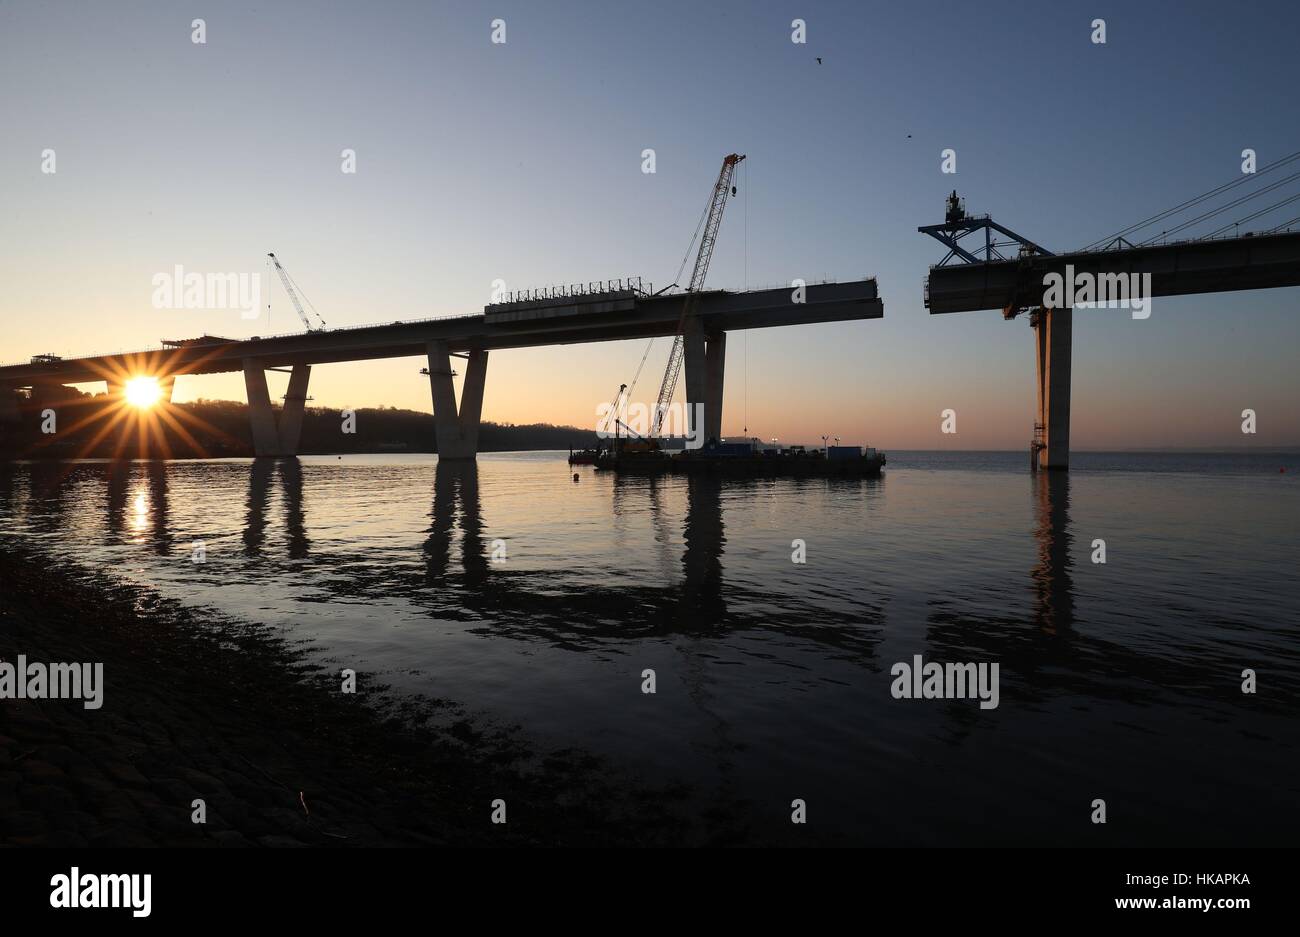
748, 459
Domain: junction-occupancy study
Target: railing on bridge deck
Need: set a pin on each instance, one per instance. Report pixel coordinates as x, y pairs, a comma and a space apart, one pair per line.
634, 285
171, 349
576, 290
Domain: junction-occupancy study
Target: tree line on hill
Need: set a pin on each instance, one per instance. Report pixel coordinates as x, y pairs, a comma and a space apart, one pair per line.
220, 428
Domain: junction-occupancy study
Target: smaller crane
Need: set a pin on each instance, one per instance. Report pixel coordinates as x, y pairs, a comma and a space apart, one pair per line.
611, 419
293, 295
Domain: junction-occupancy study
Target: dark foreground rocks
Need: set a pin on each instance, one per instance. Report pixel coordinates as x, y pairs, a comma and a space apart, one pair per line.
197, 707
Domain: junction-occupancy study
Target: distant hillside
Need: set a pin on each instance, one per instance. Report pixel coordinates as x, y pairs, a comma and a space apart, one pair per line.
220, 428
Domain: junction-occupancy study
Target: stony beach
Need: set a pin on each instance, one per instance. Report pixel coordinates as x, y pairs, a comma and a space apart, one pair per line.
201, 707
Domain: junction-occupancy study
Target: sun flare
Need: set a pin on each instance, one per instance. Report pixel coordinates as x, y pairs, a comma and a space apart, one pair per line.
143, 392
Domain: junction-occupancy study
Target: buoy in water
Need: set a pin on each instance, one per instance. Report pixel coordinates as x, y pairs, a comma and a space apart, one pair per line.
575, 476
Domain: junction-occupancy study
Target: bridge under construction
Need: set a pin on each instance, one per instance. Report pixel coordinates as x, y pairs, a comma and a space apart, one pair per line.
594, 313
698, 320
970, 277
974, 276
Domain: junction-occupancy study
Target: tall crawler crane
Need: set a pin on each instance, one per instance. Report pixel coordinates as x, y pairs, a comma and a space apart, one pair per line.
713, 220
293, 295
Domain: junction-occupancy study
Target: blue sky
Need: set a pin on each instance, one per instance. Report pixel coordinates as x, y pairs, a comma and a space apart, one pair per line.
522, 161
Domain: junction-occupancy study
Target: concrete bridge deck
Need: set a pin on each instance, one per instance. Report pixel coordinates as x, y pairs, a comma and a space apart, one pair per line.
1250, 262
1214, 265
558, 321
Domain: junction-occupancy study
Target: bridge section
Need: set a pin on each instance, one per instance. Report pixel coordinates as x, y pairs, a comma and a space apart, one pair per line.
529, 323
1250, 262
1019, 284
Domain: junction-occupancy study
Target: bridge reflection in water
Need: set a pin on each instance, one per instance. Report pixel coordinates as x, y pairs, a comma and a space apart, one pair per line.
495, 589
455, 551
455, 572
767, 670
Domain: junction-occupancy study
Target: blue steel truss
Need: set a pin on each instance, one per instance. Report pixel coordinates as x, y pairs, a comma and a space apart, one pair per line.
958, 225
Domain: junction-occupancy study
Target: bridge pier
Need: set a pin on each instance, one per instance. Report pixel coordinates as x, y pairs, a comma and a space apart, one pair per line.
1053, 332
715, 365
456, 430
295, 402
705, 363
270, 438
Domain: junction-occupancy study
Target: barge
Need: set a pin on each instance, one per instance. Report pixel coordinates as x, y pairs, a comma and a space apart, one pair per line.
744, 460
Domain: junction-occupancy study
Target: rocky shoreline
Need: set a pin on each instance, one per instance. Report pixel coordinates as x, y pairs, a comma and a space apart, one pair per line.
196, 706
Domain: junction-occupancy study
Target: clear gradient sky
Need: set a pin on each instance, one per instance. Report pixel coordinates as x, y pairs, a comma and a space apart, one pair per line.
522, 161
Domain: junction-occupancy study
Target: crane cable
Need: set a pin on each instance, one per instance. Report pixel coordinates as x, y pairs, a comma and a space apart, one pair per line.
630, 388
700, 224
310, 304
676, 279
637, 376
1194, 201
745, 396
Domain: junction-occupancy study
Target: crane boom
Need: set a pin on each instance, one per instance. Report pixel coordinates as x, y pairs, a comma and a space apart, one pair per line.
717, 202
293, 295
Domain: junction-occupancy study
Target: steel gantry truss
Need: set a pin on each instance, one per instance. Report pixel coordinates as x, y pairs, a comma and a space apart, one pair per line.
957, 225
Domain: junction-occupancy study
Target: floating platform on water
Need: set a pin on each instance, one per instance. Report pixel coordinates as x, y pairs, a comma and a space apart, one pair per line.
725, 464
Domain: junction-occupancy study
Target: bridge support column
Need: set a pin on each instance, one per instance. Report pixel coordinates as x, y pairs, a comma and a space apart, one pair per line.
268, 438
260, 415
456, 430
1053, 331
715, 363
168, 387
295, 401
694, 361
705, 364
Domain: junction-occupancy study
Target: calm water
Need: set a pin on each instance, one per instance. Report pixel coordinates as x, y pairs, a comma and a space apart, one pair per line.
1119, 681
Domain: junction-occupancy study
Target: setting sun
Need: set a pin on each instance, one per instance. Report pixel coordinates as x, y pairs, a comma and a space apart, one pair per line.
143, 392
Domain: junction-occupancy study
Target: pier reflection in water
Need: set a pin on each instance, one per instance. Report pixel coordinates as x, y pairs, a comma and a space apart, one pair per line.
609, 607
260, 474
538, 602
1054, 598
